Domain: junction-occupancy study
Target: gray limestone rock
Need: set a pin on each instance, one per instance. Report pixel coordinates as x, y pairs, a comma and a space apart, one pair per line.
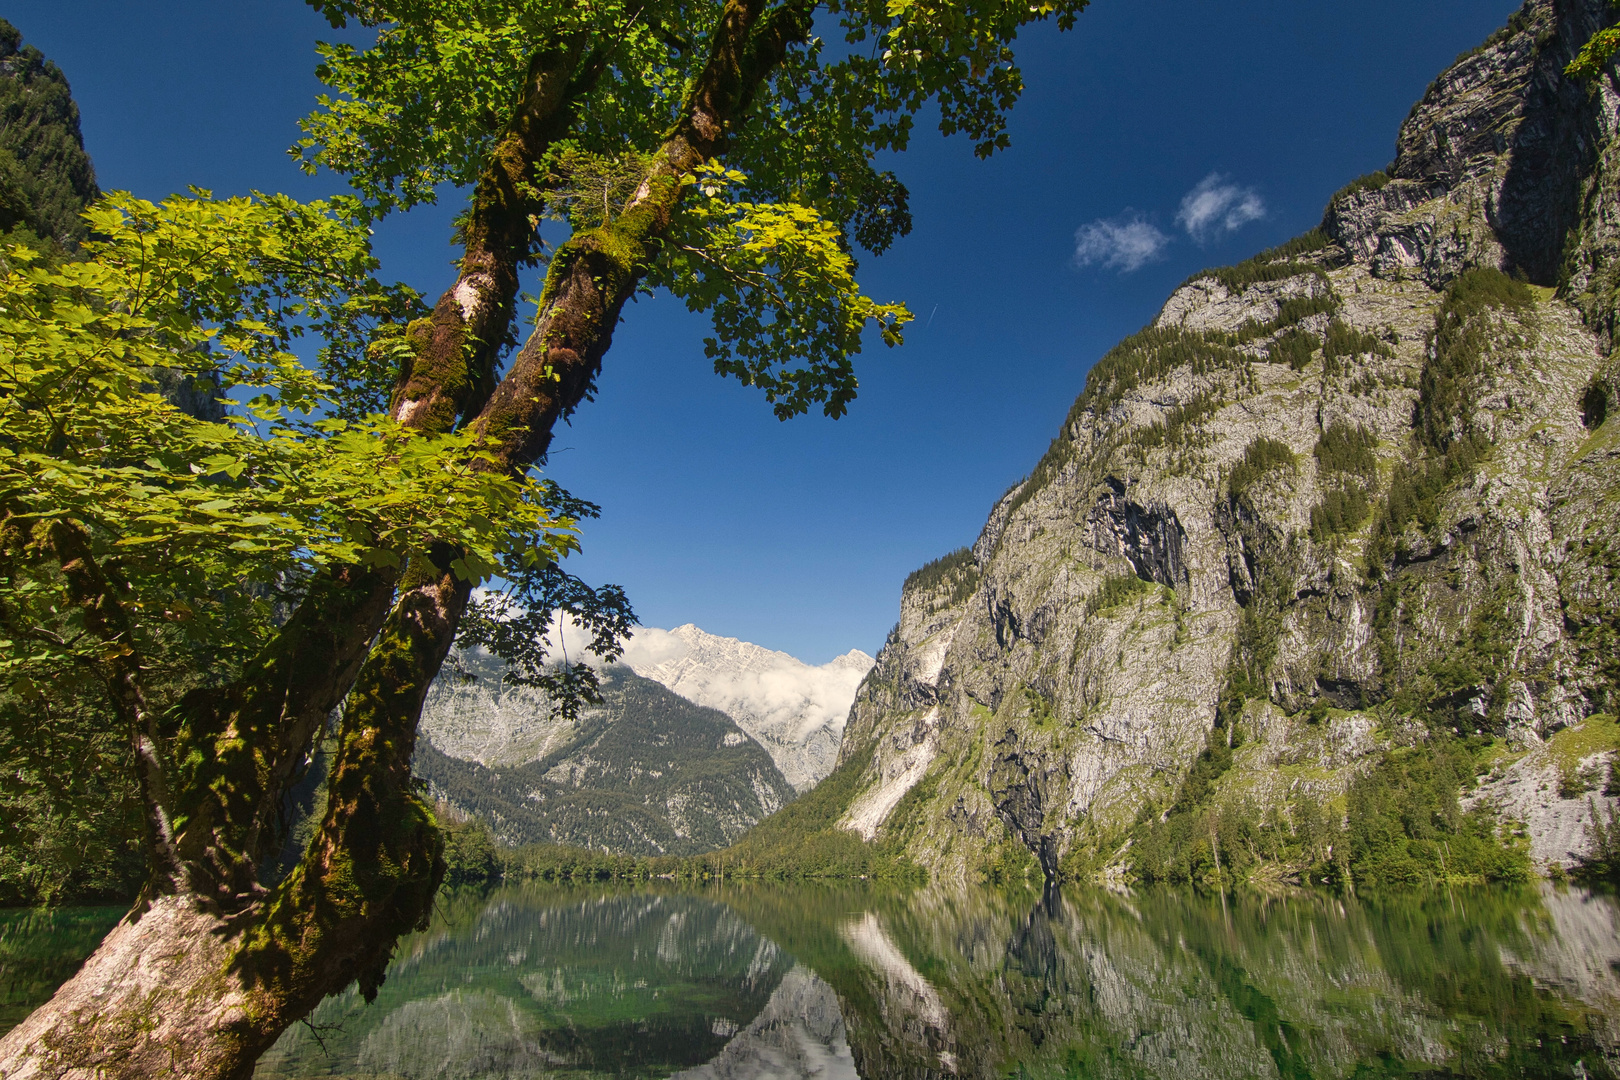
1188, 526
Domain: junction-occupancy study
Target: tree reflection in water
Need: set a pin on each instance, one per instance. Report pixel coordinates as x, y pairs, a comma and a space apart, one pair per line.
835, 982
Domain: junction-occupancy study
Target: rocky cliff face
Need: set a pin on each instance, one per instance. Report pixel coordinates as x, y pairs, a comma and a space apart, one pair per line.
1352, 496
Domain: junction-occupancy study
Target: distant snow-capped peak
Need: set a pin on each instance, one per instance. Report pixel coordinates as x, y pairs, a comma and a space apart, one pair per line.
792, 709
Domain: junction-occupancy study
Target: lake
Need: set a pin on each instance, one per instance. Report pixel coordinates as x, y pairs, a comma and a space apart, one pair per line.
756, 981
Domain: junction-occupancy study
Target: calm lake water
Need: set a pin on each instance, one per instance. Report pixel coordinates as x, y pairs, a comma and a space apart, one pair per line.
755, 982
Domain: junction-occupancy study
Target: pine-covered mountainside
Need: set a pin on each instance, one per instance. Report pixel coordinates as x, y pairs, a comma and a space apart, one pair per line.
46, 179
646, 773
1319, 578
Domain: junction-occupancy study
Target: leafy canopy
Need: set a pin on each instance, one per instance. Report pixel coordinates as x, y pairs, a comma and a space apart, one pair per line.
202, 523
767, 238
1594, 56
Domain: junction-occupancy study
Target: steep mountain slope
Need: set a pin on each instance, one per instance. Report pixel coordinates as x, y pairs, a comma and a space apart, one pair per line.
46, 179
794, 710
1333, 534
648, 773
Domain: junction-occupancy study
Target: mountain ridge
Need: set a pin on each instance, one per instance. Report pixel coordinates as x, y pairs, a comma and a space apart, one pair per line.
1315, 581
645, 773
795, 710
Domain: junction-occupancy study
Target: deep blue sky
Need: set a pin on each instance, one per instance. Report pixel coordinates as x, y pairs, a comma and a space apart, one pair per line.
797, 535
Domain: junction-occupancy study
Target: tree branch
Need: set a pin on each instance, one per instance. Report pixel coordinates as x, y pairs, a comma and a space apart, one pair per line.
120, 669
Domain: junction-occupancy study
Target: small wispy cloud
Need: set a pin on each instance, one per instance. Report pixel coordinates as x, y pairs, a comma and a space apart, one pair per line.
1217, 207
1123, 243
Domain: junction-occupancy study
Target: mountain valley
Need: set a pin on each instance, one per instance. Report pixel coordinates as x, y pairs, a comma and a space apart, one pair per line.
698, 739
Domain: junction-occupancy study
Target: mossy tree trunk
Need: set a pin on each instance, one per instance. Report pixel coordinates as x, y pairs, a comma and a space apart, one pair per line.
210, 966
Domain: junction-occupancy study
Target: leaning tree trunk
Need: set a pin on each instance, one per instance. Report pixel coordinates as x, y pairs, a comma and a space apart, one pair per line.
210, 967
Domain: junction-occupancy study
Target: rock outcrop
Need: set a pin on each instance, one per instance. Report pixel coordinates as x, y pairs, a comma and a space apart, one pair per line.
1350, 494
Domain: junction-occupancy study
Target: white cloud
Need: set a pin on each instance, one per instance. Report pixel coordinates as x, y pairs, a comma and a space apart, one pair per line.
1124, 243
1217, 207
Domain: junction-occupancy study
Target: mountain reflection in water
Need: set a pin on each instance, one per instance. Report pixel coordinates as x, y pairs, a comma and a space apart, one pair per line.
836, 983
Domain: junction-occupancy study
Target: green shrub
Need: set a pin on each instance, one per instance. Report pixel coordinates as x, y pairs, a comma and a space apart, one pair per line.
1602, 863
1303, 244
1275, 264
1343, 343
958, 569
1349, 450
1341, 510
1149, 354
1200, 843
1115, 590
1184, 847
1443, 690
1299, 308
1485, 287
1173, 430
1212, 764
1295, 348
1344, 451
1260, 457
1373, 181
1414, 494
470, 854
1407, 828
1595, 404
1449, 448
559, 862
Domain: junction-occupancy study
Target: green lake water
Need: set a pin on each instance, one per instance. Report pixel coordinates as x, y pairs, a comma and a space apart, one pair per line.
798, 982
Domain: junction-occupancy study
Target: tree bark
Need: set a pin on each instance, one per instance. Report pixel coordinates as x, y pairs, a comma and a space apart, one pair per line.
454, 351
209, 968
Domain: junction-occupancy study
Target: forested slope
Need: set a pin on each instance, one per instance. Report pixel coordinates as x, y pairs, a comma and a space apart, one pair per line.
46, 178
646, 773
